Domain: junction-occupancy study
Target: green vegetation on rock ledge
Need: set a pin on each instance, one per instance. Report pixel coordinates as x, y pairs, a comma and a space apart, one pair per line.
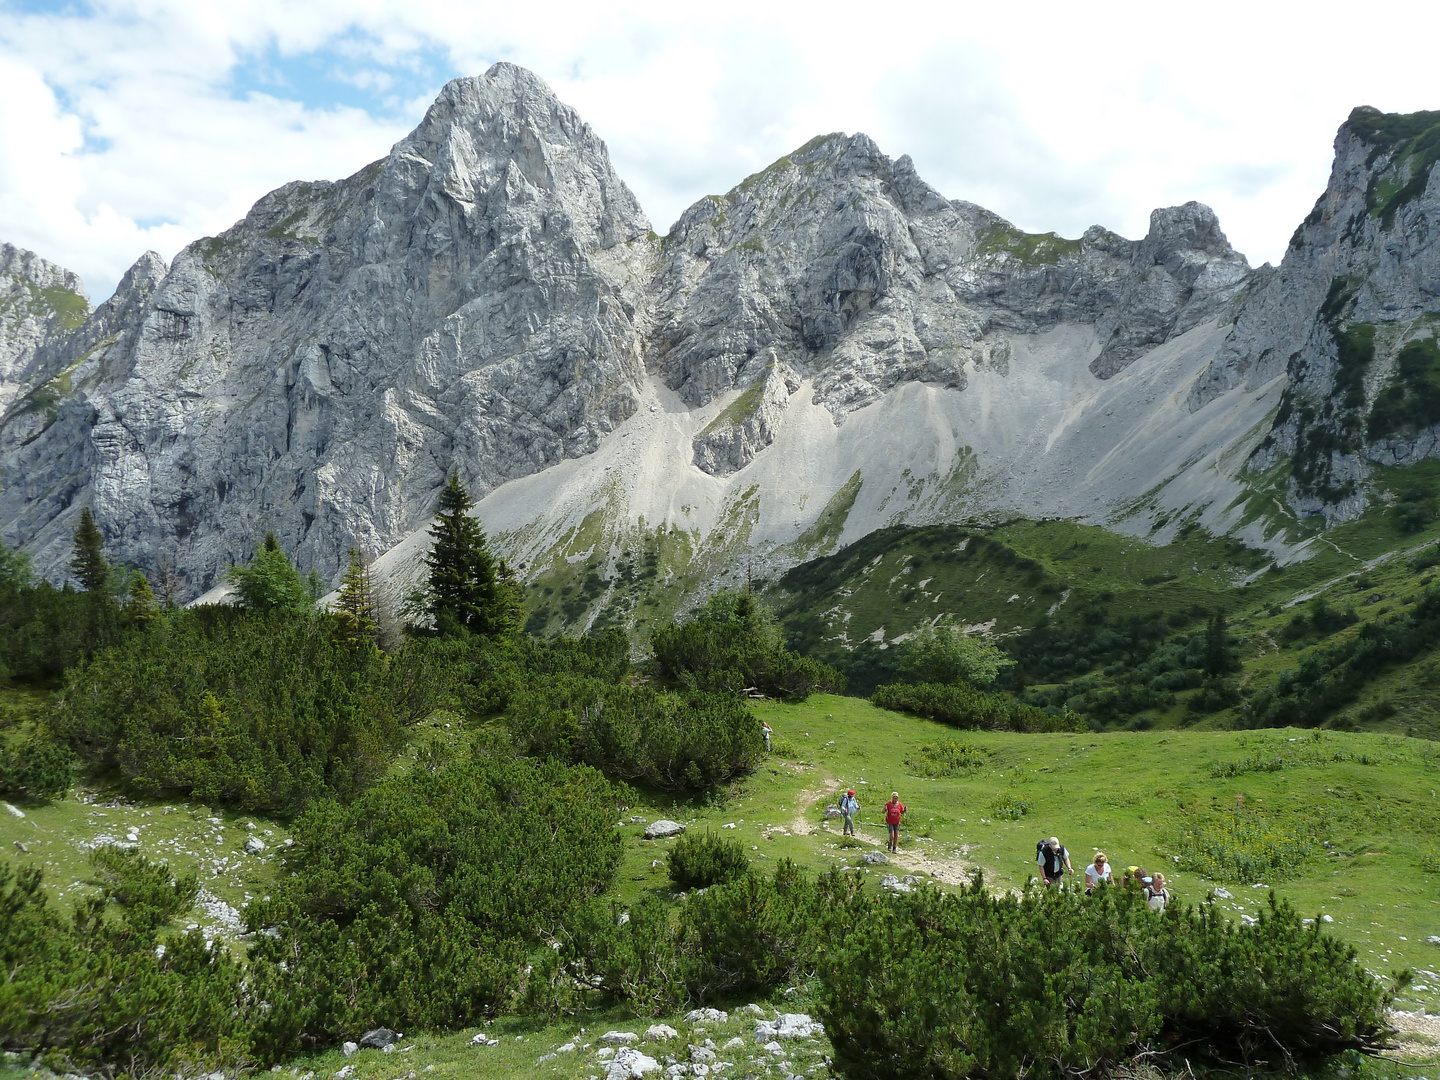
1031, 249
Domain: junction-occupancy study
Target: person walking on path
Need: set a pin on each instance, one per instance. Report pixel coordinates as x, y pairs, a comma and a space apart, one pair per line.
1096, 872
894, 811
765, 730
849, 807
1054, 860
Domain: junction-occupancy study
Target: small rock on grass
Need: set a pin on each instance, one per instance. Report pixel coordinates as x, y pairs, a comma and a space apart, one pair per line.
379, 1038
630, 1063
345, 1073
875, 858
706, 1016
1433, 939
789, 1026
348, 1048
659, 830
619, 1038
660, 1032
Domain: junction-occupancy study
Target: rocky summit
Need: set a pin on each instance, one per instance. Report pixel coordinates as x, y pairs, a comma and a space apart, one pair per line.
830, 347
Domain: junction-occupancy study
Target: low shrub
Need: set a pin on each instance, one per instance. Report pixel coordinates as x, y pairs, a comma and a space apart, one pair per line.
965, 707
734, 643
671, 741
1055, 984
699, 860
35, 769
416, 904
260, 712
752, 934
948, 758
1008, 806
112, 995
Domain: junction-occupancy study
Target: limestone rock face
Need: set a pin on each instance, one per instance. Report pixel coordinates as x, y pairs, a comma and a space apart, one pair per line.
850, 269
40, 304
472, 302
1349, 319
749, 424
489, 298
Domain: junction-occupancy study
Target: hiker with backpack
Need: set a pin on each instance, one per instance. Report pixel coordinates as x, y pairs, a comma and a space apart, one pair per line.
849, 807
1054, 860
1157, 896
765, 731
894, 811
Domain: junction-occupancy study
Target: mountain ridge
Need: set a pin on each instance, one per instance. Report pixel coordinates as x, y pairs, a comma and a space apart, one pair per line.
490, 298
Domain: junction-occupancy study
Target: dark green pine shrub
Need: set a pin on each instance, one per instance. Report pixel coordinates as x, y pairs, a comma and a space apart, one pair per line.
699, 860
752, 934
227, 706
670, 741
36, 768
733, 643
1054, 984
963, 706
415, 905
96, 993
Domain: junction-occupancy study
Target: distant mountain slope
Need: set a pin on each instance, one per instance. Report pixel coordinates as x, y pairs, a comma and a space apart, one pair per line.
829, 348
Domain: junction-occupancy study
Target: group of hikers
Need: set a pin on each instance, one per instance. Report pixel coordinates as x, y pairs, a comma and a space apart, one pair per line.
894, 814
1051, 855
1054, 862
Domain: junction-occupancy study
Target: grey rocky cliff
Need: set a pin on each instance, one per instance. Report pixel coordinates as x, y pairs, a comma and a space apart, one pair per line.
471, 301
41, 304
852, 270
489, 298
1349, 319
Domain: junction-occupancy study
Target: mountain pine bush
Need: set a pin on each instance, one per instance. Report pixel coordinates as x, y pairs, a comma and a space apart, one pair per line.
415, 905
264, 712
115, 995
962, 706
733, 643
699, 860
1053, 984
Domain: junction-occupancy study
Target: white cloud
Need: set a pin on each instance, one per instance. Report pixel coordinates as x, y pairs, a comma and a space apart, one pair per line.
148, 123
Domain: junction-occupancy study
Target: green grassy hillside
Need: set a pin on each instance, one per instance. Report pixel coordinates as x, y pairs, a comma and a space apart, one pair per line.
1110, 627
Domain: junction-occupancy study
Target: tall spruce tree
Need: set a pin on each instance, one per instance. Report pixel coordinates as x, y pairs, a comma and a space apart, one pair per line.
88, 563
1219, 657
469, 590
356, 610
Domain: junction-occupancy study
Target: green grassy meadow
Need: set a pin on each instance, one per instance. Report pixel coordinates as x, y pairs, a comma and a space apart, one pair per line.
1375, 798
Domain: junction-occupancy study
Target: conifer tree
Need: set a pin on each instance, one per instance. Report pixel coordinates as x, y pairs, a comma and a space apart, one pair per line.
271, 583
356, 610
141, 607
88, 563
469, 590
1219, 659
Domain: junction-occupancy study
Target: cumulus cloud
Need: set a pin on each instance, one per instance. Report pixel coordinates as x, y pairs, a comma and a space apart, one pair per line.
134, 124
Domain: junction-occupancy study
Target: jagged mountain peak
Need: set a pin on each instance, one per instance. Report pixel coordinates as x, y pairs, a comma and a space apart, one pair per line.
829, 347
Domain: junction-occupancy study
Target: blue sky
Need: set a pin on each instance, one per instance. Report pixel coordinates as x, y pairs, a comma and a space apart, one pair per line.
135, 124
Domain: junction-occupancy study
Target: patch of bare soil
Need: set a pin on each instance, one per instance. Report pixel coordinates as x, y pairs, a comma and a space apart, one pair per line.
912, 858
1417, 1038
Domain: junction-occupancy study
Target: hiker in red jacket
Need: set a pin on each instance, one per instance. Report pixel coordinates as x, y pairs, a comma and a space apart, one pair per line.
894, 811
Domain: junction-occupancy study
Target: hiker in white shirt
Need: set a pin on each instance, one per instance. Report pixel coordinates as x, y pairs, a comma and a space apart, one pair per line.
1096, 872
